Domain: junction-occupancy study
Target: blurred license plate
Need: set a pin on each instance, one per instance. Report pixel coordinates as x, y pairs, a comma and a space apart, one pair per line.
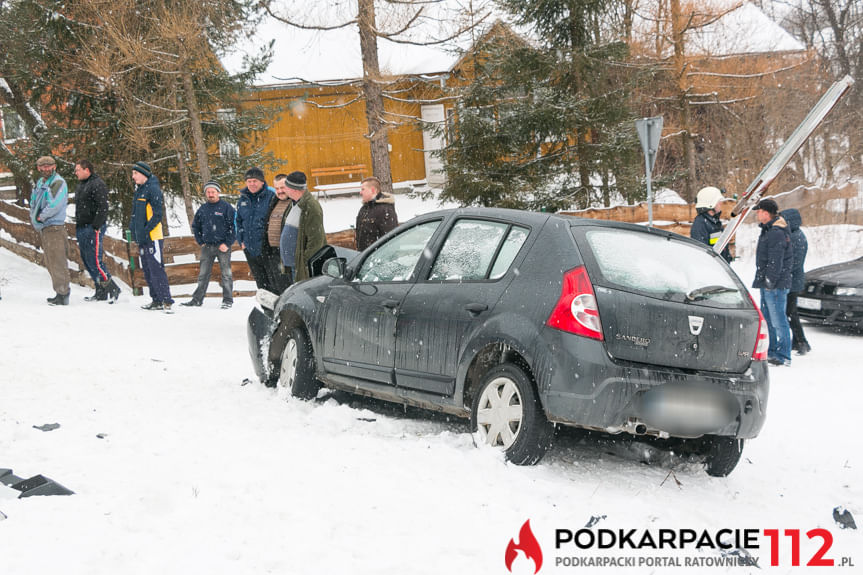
808, 303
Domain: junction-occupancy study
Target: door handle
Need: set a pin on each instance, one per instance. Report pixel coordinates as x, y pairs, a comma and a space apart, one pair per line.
390, 303
476, 308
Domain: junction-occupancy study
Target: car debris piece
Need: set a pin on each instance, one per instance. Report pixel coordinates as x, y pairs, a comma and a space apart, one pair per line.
36, 485
844, 518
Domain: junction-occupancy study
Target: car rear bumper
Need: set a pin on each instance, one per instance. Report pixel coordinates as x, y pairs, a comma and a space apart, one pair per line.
637, 398
259, 331
831, 311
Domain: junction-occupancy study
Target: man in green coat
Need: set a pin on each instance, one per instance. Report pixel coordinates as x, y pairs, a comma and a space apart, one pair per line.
303, 232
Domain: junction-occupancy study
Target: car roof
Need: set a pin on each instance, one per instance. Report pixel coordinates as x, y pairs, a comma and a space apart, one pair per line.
534, 218
521, 216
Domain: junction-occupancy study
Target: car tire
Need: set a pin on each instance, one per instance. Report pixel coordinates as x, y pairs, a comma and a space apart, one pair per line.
524, 434
722, 454
297, 371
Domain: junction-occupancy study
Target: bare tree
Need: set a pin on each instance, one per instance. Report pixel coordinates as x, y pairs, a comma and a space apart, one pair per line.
834, 29
722, 97
395, 21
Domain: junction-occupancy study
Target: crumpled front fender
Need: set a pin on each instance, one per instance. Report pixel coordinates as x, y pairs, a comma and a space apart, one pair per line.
259, 331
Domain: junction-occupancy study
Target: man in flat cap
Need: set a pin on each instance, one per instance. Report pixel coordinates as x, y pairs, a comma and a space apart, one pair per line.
774, 261
146, 226
213, 227
48, 216
303, 232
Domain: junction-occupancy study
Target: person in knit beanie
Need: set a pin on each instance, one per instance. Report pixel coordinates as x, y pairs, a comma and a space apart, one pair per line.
214, 231
252, 208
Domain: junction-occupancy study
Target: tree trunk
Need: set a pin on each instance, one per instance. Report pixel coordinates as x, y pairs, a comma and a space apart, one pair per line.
183, 171
678, 28
197, 132
377, 135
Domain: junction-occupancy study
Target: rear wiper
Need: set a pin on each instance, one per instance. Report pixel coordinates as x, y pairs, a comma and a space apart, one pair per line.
705, 291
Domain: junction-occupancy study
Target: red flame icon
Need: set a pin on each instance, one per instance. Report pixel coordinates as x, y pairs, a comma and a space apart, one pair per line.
527, 544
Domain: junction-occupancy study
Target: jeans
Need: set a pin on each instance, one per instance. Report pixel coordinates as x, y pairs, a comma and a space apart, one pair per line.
208, 254
773, 302
90, 246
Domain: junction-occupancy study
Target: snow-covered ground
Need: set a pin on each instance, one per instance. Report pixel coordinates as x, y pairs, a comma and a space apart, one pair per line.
178, 467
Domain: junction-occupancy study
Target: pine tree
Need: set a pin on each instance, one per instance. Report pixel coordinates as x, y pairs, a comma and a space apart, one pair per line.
125, 80
544, 123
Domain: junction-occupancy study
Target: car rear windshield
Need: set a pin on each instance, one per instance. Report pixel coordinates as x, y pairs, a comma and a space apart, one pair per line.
661, 266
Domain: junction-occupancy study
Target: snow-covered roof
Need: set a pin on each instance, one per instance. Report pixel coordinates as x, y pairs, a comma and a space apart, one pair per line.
331, 55
746, 30
335, 54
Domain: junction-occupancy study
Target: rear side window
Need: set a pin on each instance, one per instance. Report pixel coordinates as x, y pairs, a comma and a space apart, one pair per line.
475, 246
662, 267
396, 260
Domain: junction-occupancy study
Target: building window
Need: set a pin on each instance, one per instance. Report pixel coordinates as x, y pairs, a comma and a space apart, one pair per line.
228, 147
13, 126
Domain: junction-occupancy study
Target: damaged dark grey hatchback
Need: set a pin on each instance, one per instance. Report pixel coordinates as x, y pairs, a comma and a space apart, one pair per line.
522, 320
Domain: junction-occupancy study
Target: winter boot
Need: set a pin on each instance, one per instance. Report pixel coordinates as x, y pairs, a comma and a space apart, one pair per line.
112, 290
191, 303
59, 300
99, 295
153, 305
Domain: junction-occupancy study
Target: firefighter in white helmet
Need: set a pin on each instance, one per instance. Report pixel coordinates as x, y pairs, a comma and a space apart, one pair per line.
706, 227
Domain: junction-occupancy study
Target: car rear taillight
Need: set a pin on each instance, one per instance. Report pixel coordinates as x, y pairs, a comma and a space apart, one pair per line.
576, 310
762, 341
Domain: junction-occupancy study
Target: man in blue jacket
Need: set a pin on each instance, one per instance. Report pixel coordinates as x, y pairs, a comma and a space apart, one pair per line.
48, 216
146, 228
774, 262
252, 210
213, 227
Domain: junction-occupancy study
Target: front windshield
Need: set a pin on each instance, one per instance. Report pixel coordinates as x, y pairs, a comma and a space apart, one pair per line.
662, 267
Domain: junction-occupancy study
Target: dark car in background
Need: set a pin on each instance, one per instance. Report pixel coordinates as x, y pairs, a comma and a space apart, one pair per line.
522, 321
833, 295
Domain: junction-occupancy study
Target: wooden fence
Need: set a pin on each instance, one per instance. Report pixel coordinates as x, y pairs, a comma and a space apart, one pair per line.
121, 257
840, 204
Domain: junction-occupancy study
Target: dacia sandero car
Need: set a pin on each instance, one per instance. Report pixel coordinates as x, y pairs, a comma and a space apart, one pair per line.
523, 321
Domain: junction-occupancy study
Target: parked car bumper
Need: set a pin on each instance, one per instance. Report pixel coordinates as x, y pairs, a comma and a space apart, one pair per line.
831, 311
617, 396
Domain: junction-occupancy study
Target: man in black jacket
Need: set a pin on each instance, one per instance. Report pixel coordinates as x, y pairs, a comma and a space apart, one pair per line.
377, 216
774, 262
213, 227
91, 219
799, 247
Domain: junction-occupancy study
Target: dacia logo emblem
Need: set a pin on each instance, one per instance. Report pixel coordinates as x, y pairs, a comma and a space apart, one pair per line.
695, 324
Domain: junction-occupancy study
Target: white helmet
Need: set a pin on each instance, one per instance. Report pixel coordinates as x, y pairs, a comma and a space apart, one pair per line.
708, 198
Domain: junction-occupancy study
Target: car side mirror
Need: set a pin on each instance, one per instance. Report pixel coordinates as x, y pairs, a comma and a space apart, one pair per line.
335, 267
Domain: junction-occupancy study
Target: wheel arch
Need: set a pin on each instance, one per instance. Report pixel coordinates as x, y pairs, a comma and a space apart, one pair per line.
493, 353
289, 318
